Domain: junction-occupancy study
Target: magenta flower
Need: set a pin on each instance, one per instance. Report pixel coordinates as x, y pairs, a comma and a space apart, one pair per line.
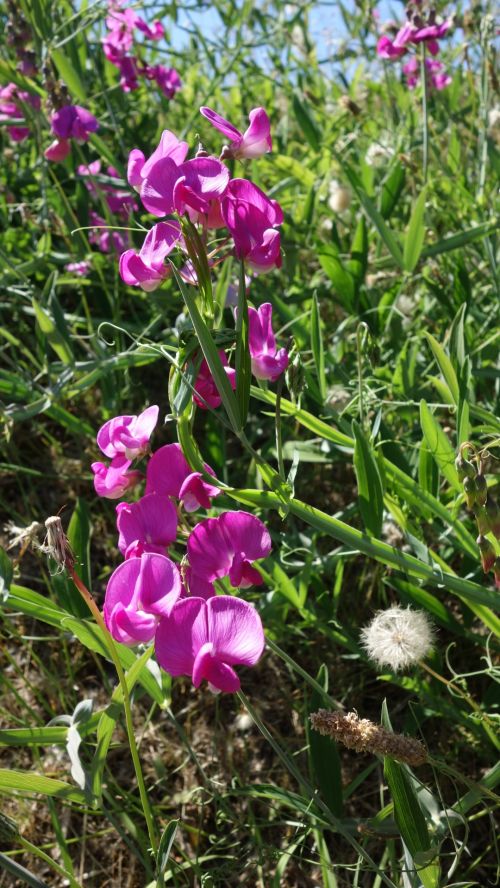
251, 218
256, 140
226, 547
193, 187
267, 362
139, 592
169, 474
436, 74
146, 268
413, 32
73, 122
139, 168
80, 268
148, 525
128, 436
58, 150
119, 201
129, 73
206, 394
106, 240
114, 480
386, 49
195, 586
167, 79
11, 108
205, 639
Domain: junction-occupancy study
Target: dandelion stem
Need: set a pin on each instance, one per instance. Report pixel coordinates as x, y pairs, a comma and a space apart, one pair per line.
110, 644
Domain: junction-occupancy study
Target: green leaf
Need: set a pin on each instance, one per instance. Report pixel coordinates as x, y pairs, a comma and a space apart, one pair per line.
439, 446
68, 73
428, 473
79, 540
415, 234
28, 782
410, 819
370, 489
372, 213
243, 361
108, 719
392, 188
445, 366
340, 278
324, 754
211, 354
306, 121
317, 346
6, 571
165, 846
55, 338
356, 265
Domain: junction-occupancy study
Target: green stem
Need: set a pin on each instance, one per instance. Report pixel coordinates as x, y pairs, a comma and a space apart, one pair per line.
425, 122
110, 644
302, 672
361, 329
37, 852
309, 791
279, 440
368, 545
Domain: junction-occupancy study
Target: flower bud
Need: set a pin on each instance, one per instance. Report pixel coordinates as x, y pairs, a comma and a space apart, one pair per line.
464, 468
493, 515
481, 489
488, 554
470, 491
482, 518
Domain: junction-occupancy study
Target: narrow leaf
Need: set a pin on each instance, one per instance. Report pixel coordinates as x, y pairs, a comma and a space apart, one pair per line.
439, 446
317, 346
370, 489
414, 239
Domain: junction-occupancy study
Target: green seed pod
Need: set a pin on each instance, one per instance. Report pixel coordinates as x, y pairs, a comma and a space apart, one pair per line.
470, 491
488, 554
464, 468
493, 515
8, 828
482, 518
295, 377
482, 489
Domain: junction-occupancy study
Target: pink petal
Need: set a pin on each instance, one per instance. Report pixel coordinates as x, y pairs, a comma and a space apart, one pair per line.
157, 191
159, 242
180, 636
159, 584
270, 366
167, 470
131, 627
221, 124
152, 520
257, 138
219, 675
136, 161
245, 533
209, 553
235, 630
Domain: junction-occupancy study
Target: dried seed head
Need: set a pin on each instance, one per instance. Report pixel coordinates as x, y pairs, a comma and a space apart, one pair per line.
56, 543
22, 535
398, 637
363, 735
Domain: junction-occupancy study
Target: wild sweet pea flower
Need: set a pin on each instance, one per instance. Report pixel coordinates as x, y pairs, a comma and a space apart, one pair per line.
205, 639
80, 268
436, 74
267, 362
114, 480
146, 269
251, 218
195, 187
118, 200
226, 547
58, 150
167, 79
139, 168
128, 436
414, 31
148, 525
256, 140
169, 474
106, 240
139, 592
73, 122
195, 586
11, 99
206, 394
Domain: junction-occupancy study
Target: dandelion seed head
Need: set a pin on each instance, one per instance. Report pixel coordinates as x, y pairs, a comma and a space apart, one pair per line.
398, 637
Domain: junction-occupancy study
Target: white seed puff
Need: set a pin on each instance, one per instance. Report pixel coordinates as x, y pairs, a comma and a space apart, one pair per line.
398, 637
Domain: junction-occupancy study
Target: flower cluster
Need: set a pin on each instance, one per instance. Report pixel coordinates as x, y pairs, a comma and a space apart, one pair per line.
12, 100
119, 43
418, 28
118, 200
196, 632
67, 123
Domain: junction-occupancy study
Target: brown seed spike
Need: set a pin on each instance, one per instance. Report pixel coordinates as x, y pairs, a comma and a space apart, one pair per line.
363, 735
